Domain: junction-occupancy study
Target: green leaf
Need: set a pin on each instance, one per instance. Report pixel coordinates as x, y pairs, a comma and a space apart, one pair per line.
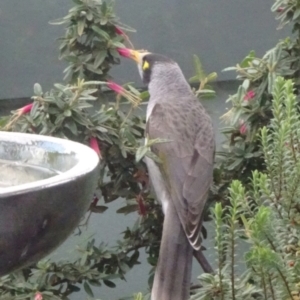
99, 209
133, 90
80, 27
37, 89
109, 283
144, 95
103, 21
101, 129
60, 87
194, 79
212, 76
236, 163
229, 69
205, 91
271, 81
88, 289
117, 44
199, 68
296, 14
89, 16
104, 8
68, 113
113, 52
59, 21
71, 125
101, 32
91, 68
134, 257
141, 152
73, 288
246, 61
99, 59
128, 209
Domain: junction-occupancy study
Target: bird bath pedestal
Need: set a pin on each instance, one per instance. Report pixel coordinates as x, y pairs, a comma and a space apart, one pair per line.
46, 186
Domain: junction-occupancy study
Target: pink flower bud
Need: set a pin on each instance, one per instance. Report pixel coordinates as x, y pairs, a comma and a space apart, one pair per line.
125, 52
250, 95
38, 296
95, 146
25, 109
115, 87
243, 128
119, 31
280, 9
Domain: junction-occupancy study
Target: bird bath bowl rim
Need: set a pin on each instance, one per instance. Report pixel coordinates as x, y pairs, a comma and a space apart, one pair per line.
81, 167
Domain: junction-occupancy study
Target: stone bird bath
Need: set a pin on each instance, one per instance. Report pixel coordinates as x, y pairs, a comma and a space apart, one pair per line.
46, 186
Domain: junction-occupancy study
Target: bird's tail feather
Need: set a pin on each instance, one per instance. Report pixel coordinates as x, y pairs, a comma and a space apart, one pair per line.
173, 273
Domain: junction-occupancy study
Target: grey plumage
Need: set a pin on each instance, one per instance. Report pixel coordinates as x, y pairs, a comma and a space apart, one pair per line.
182, 181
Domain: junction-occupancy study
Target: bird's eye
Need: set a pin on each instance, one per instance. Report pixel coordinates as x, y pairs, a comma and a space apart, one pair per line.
145, 65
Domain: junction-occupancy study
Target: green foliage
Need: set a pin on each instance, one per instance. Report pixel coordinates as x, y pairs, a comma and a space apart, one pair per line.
93, 33
251, 106
269, 211
262, 152
200, 77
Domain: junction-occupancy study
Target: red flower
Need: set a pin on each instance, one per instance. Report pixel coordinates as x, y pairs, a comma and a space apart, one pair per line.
124, 52
95, 200
25, 109
119, 31
291, 263
141, 204
38, 296
243, 128
134, 99
250, 95
115, 87
94, 145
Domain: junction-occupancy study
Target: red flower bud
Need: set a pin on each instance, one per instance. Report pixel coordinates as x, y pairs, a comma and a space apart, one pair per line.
95, 200
134, 99
243, 128
38, 296
94, 145
280, 9
125, 52
119, 31
25, 109
141, 204
115, 87
250, 95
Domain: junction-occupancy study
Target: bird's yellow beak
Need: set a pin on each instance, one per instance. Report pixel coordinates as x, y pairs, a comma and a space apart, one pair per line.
136, 55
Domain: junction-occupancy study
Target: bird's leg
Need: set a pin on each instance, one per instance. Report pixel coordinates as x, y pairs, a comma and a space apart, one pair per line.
205, 265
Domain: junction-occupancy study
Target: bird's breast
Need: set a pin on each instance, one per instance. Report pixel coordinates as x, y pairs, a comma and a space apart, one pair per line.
150, 107
158, 183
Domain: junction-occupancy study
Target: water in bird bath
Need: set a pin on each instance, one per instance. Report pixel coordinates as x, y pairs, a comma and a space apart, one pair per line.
15, 173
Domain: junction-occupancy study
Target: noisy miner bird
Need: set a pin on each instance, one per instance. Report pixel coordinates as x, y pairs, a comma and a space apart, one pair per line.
182, 179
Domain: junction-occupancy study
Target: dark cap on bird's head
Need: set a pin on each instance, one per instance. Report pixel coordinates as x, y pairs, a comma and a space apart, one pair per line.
146, 61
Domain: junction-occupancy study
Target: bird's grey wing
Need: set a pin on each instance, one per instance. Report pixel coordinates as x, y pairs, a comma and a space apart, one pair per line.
197, 184
187, 161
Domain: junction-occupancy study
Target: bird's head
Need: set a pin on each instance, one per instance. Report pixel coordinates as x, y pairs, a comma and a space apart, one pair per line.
151, 65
